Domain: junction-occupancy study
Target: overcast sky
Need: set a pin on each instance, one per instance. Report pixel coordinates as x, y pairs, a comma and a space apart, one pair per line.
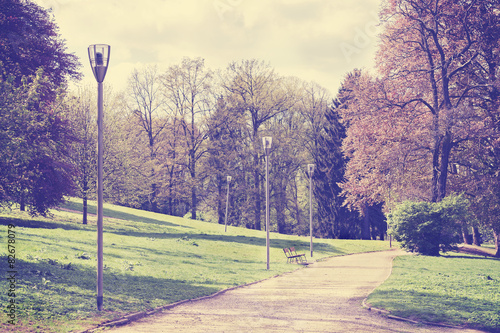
315, 40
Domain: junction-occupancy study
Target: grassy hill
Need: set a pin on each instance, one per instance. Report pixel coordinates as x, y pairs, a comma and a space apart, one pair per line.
150, 260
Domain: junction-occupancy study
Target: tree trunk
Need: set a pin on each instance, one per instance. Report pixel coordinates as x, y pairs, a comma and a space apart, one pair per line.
152, 155
192, 162
296, 205
170, 191
443, 169
85, 208
373, 230
465, 234
220, 196
194, 200
280, 210
435, 172
381, 235
154, 204
170, 205
497, 243
193, 203
476, 236
22, 203
365, 228
85, 192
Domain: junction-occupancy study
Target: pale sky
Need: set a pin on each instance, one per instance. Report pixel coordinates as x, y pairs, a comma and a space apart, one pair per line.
315, 40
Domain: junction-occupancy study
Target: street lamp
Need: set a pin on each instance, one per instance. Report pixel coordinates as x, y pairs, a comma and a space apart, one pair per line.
99, 60
227, 201
267, 142
310, 171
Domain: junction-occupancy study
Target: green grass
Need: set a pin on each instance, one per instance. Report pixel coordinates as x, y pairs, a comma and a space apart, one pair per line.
150, 260
454, 289
489, 246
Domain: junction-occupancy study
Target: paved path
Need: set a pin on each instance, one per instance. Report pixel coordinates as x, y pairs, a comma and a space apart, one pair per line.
324, 297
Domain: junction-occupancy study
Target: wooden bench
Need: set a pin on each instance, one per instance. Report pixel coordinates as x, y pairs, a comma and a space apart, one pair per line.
292, 255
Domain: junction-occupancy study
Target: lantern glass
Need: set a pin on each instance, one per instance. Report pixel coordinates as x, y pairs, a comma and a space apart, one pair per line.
99, 60
267, 142
310, 169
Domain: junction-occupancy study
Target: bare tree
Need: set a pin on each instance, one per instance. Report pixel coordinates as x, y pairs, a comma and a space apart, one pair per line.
146, 104
257, 91
81, 109
187, 91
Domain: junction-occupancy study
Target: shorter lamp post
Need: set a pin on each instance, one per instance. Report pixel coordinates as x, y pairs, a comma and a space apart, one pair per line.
310, 171
267, 142
227, 202
99, 61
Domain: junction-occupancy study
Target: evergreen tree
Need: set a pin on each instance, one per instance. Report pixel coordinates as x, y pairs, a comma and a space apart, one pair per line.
334, 220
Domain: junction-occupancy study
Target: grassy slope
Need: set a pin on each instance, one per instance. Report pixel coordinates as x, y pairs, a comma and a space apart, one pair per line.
455, 288
150, 260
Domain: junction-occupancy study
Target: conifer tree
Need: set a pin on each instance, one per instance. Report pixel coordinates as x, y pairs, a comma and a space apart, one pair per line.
335, 220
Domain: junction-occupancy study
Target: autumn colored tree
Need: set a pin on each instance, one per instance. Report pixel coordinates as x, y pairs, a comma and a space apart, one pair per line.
335, 220
479, 161
428, 123
379, 146
442, 60
405, 124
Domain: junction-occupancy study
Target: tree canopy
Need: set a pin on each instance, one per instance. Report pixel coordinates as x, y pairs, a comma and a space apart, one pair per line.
426, 124
29, 40
34, 154
34, 67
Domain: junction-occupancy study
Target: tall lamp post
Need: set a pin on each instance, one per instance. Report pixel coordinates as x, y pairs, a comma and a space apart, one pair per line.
267, 142
227, 201
310, 171
99, 60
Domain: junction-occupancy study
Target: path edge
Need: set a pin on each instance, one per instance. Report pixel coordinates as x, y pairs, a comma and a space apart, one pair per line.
131, 317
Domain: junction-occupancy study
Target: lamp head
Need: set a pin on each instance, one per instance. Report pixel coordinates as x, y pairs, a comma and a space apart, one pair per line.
310, 169
267, 141
229, 178
99, 60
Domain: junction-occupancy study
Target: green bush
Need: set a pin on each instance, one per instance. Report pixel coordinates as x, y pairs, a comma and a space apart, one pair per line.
428, 227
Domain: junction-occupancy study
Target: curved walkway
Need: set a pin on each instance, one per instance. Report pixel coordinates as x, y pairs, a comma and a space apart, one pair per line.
324, 297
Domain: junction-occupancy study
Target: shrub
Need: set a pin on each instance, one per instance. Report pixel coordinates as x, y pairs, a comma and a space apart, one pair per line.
427, 227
